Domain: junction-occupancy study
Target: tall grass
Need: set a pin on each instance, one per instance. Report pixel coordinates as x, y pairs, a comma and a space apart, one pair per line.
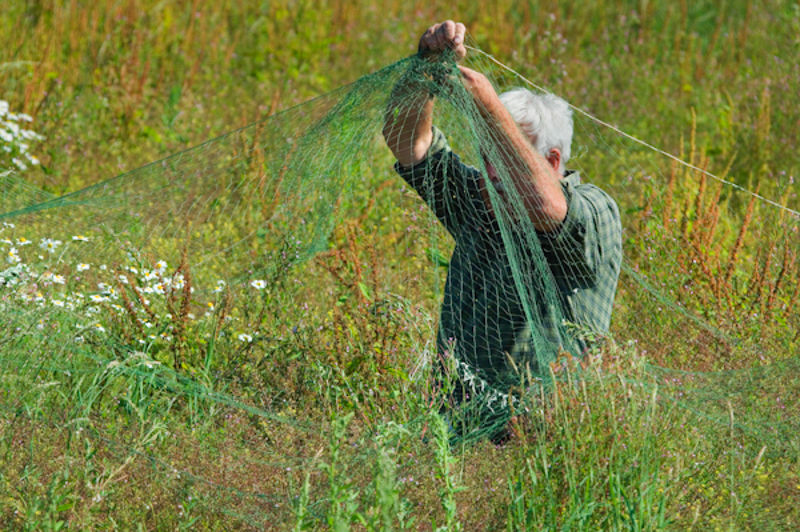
334, 429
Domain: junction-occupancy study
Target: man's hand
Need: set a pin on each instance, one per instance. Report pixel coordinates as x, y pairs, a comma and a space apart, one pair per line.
480, 87
440, 37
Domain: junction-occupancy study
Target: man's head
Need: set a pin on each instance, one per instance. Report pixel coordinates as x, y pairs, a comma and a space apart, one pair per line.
547, 121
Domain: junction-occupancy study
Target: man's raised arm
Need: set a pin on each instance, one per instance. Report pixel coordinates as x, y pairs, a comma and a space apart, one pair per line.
408, 122
534, 177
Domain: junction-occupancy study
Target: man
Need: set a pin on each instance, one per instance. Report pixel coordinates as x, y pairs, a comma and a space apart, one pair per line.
534, 252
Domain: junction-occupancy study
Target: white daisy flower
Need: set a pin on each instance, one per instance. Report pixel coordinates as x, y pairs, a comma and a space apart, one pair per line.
161, 265
123, 279
245, 338
22, 241
97, 298
49, 244
258, 284
58, 303
13, 256
59, 279
80, 238
220, 286
178, 282
82, 267
99, 328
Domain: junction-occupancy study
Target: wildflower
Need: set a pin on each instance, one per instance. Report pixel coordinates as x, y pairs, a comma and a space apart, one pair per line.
13, 256
99, 328
22, 241
178, 282
245, 338
49, 244
210, 305
58, 303
97, 298
150, 275
258, 284
220, 286
161, 266
59, 279
103, 267
82, 267
6, 241
123, 279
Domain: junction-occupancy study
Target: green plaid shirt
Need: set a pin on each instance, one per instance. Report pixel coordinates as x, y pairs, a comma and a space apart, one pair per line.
568, 276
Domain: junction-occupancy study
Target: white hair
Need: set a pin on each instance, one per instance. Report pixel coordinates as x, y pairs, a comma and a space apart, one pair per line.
545, 118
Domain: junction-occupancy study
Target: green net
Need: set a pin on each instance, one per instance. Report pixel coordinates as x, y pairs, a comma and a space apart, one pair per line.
283, 290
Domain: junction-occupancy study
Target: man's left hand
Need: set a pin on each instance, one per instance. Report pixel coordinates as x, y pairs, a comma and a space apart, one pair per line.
480, 87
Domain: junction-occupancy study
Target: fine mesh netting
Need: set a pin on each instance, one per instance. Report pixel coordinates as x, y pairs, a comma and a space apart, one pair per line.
285, 267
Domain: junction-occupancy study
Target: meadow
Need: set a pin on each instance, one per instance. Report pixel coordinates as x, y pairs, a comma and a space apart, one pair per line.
232, 373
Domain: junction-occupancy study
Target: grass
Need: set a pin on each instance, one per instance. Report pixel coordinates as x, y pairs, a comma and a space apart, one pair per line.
302, 403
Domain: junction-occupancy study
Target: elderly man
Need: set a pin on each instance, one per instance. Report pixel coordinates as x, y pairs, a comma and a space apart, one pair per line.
566, 262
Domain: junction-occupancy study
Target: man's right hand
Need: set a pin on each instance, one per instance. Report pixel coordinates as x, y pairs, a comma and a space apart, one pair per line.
440, 37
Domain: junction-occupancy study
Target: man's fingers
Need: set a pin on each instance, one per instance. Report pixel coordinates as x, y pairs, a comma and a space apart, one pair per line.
427, 41
447, 34
449, 30
468, 73
460, 31
439, 34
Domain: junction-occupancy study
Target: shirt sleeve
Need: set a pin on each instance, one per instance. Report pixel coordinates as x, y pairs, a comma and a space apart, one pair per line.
446, 184
589, 239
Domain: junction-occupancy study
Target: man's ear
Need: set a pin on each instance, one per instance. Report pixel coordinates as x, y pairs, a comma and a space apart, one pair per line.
554, 158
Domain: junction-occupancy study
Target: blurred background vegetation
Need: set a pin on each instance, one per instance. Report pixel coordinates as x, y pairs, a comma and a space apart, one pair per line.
116, 84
